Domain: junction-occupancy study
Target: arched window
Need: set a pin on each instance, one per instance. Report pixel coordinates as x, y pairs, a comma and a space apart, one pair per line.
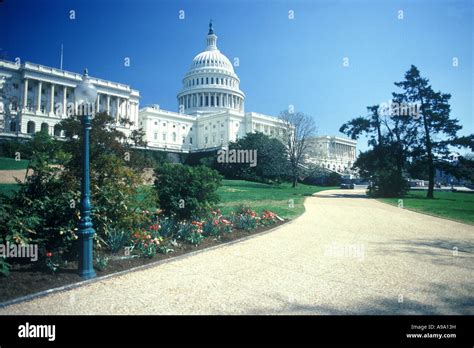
30, 127
57, 130
44, 127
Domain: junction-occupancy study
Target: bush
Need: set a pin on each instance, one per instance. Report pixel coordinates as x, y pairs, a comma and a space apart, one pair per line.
388, 183
117, 240
185, 191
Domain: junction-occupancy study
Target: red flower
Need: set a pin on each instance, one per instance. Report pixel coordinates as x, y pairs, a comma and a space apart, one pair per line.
49, 254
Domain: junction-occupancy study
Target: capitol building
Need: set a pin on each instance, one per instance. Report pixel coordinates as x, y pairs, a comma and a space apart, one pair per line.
210, 114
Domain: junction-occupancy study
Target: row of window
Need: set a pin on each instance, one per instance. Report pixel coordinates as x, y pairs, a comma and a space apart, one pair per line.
199, 101
174, 126
207, 62
174, 138
205, 80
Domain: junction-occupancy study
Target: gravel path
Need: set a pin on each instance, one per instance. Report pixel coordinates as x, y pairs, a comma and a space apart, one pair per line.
8, 176
346, 255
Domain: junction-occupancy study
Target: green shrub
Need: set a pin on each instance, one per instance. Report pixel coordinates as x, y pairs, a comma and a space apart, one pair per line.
185, 191
117, 240
388, 183
4, 267
168, 226
101, 262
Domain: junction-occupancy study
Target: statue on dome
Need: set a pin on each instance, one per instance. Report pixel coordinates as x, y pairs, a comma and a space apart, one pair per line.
211, 31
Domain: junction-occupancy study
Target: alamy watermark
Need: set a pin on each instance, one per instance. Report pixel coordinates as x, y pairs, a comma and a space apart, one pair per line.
19, 250
352, 251
237, 156
391, 108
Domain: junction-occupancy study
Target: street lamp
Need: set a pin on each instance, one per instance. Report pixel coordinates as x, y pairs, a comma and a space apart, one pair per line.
85, 95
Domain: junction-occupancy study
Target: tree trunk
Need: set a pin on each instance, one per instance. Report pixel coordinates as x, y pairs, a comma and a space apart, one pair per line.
295, 181
429, 152
431, 177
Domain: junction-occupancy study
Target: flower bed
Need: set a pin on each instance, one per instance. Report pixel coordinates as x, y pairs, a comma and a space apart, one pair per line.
161, 238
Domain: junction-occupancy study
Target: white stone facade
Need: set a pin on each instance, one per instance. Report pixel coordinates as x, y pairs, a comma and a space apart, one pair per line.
337, 154
39, 97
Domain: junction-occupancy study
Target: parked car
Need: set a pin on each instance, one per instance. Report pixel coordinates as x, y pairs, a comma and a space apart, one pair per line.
347, 186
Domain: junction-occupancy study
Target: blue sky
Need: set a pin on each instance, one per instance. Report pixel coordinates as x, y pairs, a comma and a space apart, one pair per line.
282, 61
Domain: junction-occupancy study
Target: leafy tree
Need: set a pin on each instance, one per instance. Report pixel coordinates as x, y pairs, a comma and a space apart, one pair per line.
116, 182
415, 143
382, 164
272, 162
433, 129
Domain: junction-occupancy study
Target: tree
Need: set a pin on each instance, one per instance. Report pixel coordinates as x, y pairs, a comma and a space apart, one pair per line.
415, 143
299, 129
116, 182
5, 90
383, 163
433, 128
272, 159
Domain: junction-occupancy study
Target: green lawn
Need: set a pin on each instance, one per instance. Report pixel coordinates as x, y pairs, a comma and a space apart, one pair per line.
11, 164
261, 196
452, 205
8, 189
258, 196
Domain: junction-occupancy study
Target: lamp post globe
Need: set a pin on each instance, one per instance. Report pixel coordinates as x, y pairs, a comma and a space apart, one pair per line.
85, 92
85, 95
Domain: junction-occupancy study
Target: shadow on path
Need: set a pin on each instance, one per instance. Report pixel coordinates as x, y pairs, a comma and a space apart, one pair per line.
448, 299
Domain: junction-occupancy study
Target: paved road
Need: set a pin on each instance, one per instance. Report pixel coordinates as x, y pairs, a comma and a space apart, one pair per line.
346, 255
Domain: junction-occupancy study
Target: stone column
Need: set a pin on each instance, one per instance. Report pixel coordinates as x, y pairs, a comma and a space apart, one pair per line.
97, 107
25, 94
117, 113
38, 97
64, 100
51, 109
108, 105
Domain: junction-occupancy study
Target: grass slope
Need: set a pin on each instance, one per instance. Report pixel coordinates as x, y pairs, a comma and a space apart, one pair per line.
11, 164
262, 196
8, 189
452, 205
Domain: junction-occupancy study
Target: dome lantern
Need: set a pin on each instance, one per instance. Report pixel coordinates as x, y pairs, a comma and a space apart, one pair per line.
211, 38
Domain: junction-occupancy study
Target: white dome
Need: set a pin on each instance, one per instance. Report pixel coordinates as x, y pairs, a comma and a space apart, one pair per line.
212, 58
211, 84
